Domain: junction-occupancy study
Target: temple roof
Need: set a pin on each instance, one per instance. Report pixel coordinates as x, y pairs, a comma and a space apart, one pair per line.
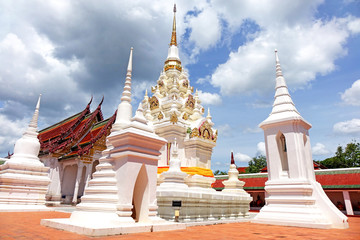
342, 178
63, 127
63, 135
97, 131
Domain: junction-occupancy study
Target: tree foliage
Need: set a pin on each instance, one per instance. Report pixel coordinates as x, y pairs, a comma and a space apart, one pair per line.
256, 164
218, 172
344, 158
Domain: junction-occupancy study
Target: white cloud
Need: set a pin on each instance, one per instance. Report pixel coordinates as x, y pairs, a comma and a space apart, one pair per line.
209, 98
204, 80
138, 90
351, 95
252, 130
320, 149
33, 70
205, 29
260, 104
268, 13
225, 130
260, 149
354, 25
305, 51
348, 127
240, 157
10, 131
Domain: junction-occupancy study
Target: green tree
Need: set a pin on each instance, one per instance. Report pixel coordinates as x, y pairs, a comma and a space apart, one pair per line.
344, 158
256, 164
218, 172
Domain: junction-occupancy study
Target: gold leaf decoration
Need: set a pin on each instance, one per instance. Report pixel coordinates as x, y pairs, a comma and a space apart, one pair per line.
194, 133
190, 102
173, 118
206, 131
154, 103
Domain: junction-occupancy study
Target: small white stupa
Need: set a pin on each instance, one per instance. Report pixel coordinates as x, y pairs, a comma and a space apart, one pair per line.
174, 178
294, 197
233, 184
24, 179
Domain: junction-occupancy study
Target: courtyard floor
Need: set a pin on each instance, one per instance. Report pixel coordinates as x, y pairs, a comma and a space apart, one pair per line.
26, 225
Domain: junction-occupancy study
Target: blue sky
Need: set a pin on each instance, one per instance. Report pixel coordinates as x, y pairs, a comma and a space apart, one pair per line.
70, 50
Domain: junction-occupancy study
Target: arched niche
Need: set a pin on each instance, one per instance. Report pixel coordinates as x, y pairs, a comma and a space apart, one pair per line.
282, 148
140, 201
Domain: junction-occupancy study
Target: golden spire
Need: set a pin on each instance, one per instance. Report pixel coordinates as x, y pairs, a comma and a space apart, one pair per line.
173, 35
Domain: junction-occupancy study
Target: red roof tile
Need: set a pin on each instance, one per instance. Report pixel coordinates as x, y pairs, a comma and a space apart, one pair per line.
330, 179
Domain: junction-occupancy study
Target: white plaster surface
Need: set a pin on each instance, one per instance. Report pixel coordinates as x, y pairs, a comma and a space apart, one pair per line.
293, 198
200, 202
24, 179
107, 229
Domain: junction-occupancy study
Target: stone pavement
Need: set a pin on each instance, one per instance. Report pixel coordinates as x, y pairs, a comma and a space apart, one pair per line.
26, 225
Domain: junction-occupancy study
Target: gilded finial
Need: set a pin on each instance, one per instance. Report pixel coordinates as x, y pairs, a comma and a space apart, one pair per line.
173, 35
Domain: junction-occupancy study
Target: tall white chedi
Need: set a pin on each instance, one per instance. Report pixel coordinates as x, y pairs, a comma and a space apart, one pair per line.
294, 197
123, 189
23, 178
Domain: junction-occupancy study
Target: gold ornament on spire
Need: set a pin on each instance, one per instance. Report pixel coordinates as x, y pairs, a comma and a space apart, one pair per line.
173, 35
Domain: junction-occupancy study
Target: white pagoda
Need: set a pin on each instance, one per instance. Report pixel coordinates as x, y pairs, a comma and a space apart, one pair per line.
294, 197
176, 113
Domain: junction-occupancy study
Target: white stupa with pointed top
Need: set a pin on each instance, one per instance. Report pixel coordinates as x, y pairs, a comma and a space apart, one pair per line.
174, 178
294, 197
121, 197
27, 147
23, 178
124, 112
233, 184
283, 107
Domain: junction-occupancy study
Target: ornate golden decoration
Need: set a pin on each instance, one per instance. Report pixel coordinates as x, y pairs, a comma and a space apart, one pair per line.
190, 102
215, 136
160, 116
206, 131
194, 133
173, 118
153, 89
202, 110
185, 116
161, 84
185, 84
176, 66
154, 103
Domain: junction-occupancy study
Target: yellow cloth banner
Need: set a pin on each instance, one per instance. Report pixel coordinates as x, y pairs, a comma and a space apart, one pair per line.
191, 170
